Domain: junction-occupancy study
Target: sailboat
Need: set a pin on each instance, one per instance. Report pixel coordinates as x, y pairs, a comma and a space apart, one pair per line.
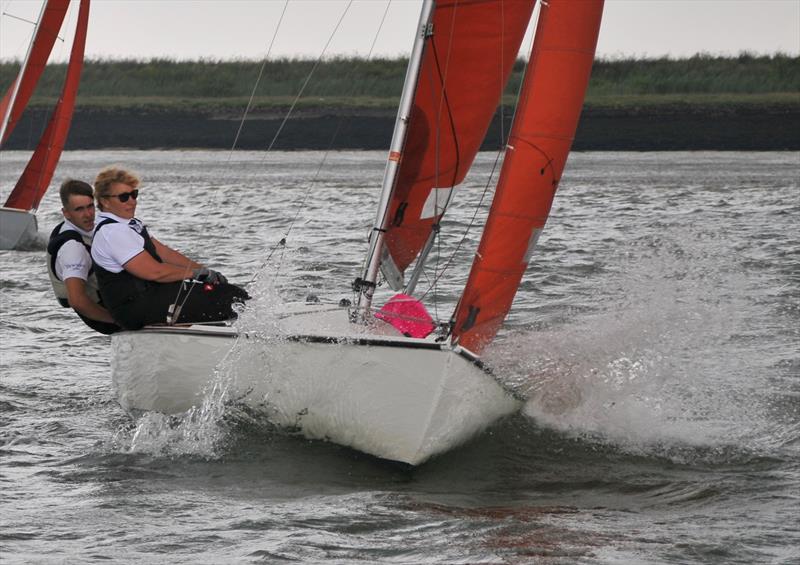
391, 382
18, 226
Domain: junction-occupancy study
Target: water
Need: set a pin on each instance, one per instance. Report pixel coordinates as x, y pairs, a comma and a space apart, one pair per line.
655, 336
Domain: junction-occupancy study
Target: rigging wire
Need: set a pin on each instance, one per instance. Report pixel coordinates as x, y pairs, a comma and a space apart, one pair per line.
308, 78
299, 206
478, 206
369, 56
178, 301
27, 21
258, 81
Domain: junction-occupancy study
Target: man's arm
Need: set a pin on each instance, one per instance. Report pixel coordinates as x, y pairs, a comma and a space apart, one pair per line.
82, 304
169, 255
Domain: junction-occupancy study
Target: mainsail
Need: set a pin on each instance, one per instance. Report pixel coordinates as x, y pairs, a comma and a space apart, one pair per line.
20, 91
541, 136
468, 58
33, 182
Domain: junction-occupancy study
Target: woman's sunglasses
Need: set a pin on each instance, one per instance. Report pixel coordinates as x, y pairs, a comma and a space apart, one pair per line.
123, 196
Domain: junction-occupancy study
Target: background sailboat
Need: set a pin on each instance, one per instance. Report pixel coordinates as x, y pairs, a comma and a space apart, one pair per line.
337, 372
18, 224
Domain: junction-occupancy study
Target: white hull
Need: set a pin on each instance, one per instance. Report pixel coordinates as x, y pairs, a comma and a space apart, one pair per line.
390, 396
18, 228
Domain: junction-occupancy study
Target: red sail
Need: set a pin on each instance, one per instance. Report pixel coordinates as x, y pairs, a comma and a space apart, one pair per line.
42, 45
34, 181
6, 101
541, 136
465, 67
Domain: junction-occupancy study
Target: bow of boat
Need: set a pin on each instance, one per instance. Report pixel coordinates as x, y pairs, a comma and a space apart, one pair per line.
368, 388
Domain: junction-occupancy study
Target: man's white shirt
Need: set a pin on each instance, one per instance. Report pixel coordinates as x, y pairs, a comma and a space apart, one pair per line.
73, 260
116, 244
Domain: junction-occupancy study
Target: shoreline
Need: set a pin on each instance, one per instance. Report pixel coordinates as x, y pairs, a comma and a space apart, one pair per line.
671, 127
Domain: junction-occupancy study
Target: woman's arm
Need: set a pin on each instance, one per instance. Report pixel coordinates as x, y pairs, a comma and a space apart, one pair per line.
147, 268
169, 255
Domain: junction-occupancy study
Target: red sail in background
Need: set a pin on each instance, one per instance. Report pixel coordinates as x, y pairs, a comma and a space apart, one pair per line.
34, 181
4, 103
42, 45
464, 70
541, 136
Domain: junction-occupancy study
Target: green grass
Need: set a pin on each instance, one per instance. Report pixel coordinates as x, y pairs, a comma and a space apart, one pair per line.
745, 74
376, 84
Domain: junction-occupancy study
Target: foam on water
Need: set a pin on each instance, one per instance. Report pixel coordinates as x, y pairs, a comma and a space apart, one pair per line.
206, 429
634, 371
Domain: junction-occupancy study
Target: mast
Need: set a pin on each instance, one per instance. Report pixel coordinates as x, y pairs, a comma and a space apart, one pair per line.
365, 285
18, 81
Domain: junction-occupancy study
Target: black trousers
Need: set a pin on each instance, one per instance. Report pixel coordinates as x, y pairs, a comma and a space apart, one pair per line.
98, 326
194, 302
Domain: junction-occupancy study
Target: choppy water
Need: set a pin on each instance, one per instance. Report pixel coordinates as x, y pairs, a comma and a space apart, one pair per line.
656, 338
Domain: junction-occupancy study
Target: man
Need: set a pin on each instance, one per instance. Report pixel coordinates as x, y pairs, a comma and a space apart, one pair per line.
143, 281
69, 262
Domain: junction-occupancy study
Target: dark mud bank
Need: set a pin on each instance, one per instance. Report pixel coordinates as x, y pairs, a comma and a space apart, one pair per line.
663, 128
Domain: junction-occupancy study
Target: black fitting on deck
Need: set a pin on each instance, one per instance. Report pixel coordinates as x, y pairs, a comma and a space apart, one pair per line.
360, 284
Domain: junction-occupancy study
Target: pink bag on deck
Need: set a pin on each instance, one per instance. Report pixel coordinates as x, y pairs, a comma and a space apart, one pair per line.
408, 315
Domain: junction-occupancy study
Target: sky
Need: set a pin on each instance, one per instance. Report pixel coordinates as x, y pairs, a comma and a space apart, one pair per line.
244, 29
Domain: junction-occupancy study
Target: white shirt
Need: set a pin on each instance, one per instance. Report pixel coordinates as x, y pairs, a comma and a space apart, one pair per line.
73, 260
116, 244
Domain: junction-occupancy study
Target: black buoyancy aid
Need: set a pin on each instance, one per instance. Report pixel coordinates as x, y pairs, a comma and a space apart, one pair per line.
56, 241
121, 288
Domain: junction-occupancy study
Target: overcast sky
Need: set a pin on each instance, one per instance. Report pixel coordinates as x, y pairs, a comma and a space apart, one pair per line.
225, 29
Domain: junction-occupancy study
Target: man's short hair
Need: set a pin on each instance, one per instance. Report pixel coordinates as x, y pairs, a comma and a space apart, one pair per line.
76, 187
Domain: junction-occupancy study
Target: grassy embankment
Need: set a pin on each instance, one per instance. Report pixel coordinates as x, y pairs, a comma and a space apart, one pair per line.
628, 85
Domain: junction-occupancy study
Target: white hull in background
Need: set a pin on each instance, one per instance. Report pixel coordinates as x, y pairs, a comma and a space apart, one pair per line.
393, 397
18, 228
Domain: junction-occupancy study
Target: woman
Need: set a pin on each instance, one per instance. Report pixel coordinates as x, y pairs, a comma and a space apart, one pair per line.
142, 281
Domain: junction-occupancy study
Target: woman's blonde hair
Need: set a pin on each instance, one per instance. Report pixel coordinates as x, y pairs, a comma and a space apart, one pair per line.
111, 176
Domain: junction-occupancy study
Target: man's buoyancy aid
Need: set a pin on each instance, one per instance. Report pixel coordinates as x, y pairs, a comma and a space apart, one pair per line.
121, 288
57, 240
